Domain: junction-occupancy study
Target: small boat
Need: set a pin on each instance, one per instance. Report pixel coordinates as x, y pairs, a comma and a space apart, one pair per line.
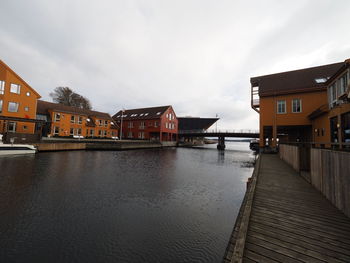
10, 149
254, 145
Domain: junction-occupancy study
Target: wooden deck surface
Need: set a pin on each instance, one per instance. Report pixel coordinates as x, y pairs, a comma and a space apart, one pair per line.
290, 221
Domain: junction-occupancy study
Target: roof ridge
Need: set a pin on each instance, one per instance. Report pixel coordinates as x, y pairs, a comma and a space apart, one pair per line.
296, 70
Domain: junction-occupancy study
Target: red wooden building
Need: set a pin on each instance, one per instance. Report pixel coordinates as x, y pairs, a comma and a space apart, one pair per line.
156, 123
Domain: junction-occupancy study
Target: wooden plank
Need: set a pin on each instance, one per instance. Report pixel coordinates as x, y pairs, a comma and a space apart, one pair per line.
277, 248
326, 240
295, 246
312, 244
262, 254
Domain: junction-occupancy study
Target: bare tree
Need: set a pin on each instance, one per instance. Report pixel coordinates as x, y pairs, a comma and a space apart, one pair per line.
66, 96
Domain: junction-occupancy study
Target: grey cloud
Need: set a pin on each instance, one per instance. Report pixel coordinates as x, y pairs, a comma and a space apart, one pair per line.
195, 55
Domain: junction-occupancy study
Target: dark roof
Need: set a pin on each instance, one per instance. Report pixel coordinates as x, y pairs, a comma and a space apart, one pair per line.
194, 123
44, 106
302, 80
340, 71
142, 113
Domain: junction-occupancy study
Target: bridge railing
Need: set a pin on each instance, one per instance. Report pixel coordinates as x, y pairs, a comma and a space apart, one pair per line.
214, 131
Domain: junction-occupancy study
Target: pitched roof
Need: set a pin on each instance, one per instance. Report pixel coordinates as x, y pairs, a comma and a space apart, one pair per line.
44, 106
142, 113
302, 80
195, 123
14, 73
345, 65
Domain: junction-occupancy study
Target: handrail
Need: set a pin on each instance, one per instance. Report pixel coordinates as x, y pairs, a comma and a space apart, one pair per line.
219, 131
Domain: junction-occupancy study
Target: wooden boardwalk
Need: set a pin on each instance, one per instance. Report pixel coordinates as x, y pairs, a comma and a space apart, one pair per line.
289, 221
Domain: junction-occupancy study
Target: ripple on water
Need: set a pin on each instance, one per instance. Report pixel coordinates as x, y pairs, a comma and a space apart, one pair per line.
175, 205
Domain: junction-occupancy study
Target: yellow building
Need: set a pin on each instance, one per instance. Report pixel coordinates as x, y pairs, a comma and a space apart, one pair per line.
286, 100
18, 103
67, 121
331, 121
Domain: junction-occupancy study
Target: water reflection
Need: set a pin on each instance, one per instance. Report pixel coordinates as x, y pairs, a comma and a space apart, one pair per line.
171, 205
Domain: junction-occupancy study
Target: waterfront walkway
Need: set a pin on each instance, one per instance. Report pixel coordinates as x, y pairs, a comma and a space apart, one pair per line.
286, 220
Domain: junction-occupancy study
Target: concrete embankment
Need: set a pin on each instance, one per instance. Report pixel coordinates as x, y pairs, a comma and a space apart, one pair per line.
100, 145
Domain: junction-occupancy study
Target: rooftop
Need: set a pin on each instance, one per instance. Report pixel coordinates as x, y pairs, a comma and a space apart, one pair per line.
195, 123
302, 80
142, 113
44, 106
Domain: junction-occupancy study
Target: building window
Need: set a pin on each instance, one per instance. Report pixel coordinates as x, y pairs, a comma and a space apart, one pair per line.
142, 125
334, 129
79, 131
105, 133
71, 131
56, 130
129, 134
141, 135
26, 108
72, 119
57, 117
27, 93
11, 126
343, 84
1, 105
155, 124
25, 127
13, 107
92, 132
281, 106
296, 105
80, 120
345, 127
131, 125
2, 87
15, 88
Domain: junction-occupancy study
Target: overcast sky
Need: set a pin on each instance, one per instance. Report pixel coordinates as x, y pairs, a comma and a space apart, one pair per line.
197, 56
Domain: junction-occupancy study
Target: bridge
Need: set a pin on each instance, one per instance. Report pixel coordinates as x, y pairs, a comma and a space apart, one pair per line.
221, 134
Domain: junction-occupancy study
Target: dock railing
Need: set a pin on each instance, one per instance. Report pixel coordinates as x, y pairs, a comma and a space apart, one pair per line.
327, 169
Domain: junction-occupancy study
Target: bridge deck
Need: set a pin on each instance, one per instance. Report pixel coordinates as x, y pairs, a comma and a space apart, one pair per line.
290, 221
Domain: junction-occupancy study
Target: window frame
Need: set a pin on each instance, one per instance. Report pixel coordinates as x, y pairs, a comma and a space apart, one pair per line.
2, 87
55, 116
14, 125
18, 88
8, 108
54, 130
285, 107
300, 105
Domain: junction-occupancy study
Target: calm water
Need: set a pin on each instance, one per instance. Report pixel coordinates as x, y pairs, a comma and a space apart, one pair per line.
172, 205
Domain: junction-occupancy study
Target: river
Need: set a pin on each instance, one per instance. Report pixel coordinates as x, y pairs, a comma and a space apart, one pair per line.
156, 205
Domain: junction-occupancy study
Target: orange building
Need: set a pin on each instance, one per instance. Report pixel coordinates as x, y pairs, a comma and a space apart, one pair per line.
66, 121
333, 118
18, 103
286, 100
155, 123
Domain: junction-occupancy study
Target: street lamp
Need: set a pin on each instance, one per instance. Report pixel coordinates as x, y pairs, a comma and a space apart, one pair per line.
121, 124
216, 115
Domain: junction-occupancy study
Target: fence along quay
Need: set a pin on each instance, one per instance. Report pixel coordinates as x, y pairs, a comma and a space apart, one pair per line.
285, 219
